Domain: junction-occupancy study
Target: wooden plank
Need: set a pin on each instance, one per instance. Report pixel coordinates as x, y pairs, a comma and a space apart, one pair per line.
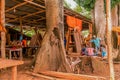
35, 4
9, 63
70, 76
77, 41
43, 76
14, 73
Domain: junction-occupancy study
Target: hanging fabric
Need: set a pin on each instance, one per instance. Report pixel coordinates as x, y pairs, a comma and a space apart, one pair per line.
71, 21
74, 22
79, 24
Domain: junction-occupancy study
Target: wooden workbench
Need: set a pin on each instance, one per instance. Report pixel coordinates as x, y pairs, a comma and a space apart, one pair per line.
19, 50
5, 63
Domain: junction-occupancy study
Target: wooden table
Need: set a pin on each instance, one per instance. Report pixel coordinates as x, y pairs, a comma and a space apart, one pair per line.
5, 63
13, 50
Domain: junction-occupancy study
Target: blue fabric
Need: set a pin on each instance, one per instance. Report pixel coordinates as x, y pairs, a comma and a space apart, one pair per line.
96, 42
64, 42
21, 38
83, 51
104, 54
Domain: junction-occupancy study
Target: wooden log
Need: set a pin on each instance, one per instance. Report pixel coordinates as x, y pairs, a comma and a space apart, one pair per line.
43, 76
77, 41
70, 76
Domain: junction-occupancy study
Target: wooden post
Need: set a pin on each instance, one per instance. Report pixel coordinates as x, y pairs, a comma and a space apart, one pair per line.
21, 28
90, 29
2, 20
109, 45
14, 73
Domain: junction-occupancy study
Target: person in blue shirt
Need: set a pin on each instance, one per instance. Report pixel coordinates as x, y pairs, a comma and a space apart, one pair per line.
103, 51
96, 42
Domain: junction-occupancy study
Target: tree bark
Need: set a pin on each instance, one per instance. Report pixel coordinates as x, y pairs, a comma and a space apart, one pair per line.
2, 23
51, 55
100, 20
114, 23
109, 45
119, 14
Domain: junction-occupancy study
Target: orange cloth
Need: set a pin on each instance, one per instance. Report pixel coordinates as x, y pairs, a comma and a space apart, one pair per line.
74, 22
118, 39
79, 24
71, 21
116, 29
2, 28
24, 43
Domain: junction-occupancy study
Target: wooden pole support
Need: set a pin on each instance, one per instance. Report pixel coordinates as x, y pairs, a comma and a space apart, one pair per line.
109, 44
14, 73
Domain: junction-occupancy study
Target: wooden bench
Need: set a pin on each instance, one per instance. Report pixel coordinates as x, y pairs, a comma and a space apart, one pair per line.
71, 76
5, 63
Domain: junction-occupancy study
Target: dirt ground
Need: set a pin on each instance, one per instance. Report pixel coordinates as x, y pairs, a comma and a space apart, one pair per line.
23, 69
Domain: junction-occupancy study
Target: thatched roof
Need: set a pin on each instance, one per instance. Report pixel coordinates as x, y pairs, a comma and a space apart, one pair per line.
32, 12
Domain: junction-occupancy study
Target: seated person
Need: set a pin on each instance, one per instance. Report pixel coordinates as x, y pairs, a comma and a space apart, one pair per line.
103, 51
90, 50
83, 51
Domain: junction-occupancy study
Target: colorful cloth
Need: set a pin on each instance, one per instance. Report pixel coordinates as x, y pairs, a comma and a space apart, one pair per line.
90, 51
104, 53
96, 41
74, 22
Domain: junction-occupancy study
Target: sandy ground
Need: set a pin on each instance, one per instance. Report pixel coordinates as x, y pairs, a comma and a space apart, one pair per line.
5, 73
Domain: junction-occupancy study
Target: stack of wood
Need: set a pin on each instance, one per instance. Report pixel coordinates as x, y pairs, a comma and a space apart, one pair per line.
52, 75
74, 40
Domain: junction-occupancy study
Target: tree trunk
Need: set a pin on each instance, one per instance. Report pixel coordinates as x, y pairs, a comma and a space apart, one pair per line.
118, 55
114, 23
109, 45
52, 54
119, 14
2, 24
100, 20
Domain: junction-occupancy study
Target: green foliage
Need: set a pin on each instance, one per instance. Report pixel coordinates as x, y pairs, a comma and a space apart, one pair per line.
82, 11
67, 5
87, 4
114, 2
78, 9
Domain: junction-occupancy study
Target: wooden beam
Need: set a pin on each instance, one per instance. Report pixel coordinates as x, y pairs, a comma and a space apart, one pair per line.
21, 26
71, 76
109, 42
43, 76
10, 15
18, 5
28, 5
41, 19
26, 16
40, 1
23, 12
34, 4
